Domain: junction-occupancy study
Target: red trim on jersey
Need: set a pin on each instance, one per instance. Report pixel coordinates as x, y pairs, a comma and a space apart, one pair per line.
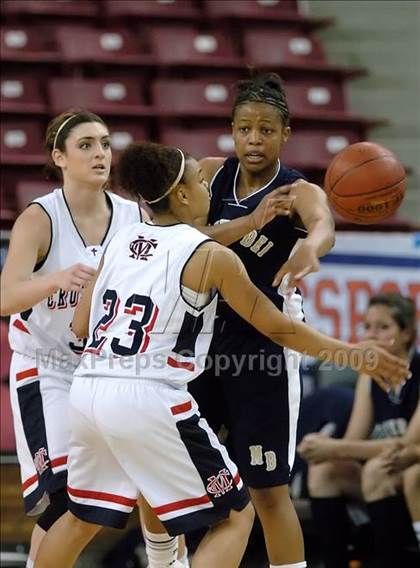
27, 374
54, 463
101, 496
179, 408
29, 481
20, 325
184, 504
237, 478
59, 461
180, 364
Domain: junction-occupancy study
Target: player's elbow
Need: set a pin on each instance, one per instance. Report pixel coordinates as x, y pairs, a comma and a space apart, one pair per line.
6, 303
80, 329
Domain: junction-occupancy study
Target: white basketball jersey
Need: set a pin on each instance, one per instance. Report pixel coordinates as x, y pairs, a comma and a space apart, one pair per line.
44, 330
140, 325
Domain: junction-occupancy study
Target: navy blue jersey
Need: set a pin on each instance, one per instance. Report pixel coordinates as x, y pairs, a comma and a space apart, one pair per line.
263, 252
393, 410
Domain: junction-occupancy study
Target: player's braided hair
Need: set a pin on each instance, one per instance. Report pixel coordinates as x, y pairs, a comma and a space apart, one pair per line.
147, 170
263, 88
403, 310
58, 131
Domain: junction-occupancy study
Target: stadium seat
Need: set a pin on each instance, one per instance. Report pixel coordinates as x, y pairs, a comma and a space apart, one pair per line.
22, 94
186, 45
48, 8
173, 97
273, 47
124, 133
84, 44
27, 191
251, 9
318, 96
312, 149
27, 44
200, 142
22, 142
165, 9
122, 97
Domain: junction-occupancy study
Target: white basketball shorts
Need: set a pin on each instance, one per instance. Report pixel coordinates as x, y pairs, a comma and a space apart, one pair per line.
39, 396
132, 436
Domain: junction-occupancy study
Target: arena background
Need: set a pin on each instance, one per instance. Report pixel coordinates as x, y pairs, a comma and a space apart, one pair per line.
379, 40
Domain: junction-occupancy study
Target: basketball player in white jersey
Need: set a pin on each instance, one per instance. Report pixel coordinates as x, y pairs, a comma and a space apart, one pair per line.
55, 248
149, 314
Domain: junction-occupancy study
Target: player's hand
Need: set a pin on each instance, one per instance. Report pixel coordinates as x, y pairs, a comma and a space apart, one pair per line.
373, 359
73, 278
400, 457
302, 262
317, 448
277, 202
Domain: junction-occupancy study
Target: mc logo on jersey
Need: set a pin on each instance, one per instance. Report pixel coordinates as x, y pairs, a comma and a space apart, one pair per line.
220, 484
141, 247
40, 463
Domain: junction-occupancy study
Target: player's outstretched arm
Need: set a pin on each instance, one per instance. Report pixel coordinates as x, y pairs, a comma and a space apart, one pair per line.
225, 271
81, 316
29, 244
311, 207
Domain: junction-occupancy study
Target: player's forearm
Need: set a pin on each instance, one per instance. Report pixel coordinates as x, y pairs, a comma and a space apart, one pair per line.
362, 450
231, 231
321, 235
298, 336
20, 296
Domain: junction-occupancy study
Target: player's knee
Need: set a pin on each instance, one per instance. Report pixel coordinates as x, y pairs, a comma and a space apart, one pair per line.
376, 482
57, 507
270, 498
411, 482
323, 480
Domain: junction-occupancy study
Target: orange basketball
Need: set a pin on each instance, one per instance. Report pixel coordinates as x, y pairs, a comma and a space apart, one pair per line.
365, 183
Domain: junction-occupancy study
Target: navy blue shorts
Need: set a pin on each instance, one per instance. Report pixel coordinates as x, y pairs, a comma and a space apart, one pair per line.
253, 387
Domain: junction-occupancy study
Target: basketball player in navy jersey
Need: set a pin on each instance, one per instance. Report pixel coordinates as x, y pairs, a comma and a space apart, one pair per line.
149, 315
55, 248
261, 407
381, 425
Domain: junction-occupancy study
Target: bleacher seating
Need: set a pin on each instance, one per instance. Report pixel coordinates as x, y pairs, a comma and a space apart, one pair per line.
22, 141
252, 9
27, 44
200, 142
48, 8
174, 97
86, 44
28, 190
186, 45
121, 96
166, 9
22, 94
168, 67
314, 149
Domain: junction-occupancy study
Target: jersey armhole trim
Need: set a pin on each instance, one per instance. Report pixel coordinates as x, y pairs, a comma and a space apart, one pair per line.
41, 263
201, 308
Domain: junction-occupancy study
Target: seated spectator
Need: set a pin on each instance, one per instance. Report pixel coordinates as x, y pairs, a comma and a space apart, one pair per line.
377, 459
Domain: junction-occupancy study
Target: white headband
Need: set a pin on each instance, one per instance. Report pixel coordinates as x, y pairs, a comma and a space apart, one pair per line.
176, 181
62, 125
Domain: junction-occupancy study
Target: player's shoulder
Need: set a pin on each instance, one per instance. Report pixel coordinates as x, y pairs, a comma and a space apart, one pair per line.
209, 166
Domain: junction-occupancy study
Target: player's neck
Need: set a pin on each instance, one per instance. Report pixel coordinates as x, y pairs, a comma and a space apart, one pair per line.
166, 218
83, 200
249, 182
